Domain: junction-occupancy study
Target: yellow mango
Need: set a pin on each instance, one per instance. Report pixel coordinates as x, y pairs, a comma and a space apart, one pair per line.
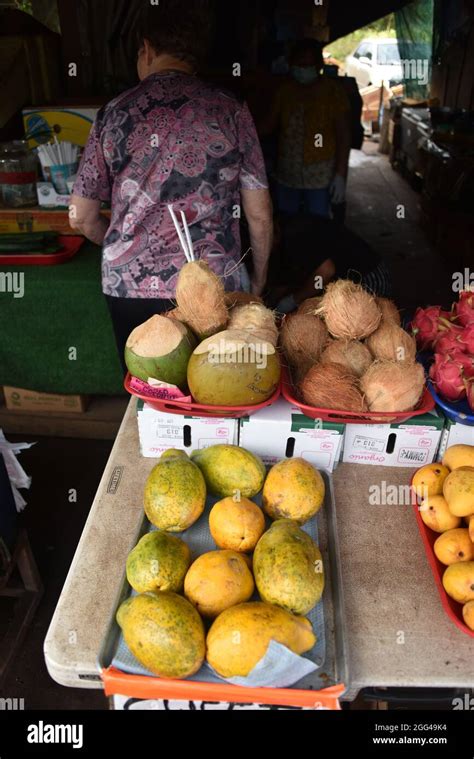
436, 515
428, 480
468, 614
453, 546
458, 489
457, 456
458, 581
470, 525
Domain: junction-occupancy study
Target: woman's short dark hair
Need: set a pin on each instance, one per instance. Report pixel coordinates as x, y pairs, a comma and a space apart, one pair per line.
181, 28
314, 48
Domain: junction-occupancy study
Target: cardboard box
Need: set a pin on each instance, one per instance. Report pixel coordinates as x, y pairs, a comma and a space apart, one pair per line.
281, 431
455, 434
160, 431
29, 400
69, 123
413, 443
49, 198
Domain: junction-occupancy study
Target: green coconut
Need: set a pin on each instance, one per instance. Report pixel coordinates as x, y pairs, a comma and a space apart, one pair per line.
233, 368
160, 349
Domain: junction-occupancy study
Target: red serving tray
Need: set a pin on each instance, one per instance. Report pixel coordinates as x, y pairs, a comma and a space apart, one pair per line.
452, 608
352, 417
198, 409
70, 245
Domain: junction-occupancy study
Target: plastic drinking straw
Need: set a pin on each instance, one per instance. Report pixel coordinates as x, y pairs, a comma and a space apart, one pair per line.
188, 236
180, 234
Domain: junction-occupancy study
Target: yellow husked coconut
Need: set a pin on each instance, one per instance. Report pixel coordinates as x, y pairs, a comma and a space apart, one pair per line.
234, 368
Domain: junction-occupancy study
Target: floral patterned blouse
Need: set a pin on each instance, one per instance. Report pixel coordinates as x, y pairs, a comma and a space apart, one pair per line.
171, 139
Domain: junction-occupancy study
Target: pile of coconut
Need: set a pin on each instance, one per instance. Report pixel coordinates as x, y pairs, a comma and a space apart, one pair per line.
221, 347
347, 351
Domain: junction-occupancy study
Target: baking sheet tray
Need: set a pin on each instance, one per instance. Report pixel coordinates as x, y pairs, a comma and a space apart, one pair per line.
330, 651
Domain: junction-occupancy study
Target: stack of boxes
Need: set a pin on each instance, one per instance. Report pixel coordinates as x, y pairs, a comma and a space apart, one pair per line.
281, 431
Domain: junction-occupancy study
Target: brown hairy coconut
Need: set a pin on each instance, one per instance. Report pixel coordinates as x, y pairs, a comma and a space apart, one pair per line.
391, 343
393, 386
201, 299
390, 312
331, 386
351, 354
255, 318
175, 313
349, 310
303, 338
310, 306
241, 299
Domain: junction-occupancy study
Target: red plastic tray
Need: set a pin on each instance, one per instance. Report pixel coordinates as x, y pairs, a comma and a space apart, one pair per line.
452, 608
70, 245
197, 409
351, 417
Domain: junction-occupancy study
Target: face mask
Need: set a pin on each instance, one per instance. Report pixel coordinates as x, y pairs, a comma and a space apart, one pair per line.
304, 74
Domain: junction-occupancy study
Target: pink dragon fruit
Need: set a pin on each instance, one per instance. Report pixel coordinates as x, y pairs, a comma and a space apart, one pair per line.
467, 339
427, 323
449, 373
450, 340
464, 309
469, 385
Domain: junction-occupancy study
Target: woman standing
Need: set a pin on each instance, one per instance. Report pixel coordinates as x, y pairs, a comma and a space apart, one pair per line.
173, 139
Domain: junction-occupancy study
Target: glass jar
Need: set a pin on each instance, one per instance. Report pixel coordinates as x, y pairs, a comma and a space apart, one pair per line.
18, 165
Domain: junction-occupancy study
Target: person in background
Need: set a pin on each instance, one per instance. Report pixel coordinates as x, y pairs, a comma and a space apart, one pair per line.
312, 251
172, 139
312, 115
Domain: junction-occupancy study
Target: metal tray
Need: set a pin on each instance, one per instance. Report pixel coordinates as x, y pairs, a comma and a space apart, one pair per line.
331, 650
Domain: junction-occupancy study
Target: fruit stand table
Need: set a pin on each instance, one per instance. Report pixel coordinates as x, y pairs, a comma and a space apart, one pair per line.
397, 631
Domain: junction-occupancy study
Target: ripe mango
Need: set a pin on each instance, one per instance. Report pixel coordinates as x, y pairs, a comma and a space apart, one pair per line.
453, 546
175, 493
458, 489
458, 581
468, 614
228, 470
236, 525
435, 513
217, 580
164, 632
294, 489
159, 561
457, 456
428, 480
470, 525
288, 568
239, 637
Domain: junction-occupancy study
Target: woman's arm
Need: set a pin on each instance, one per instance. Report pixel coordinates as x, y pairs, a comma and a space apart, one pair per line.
258, 211
85, 218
